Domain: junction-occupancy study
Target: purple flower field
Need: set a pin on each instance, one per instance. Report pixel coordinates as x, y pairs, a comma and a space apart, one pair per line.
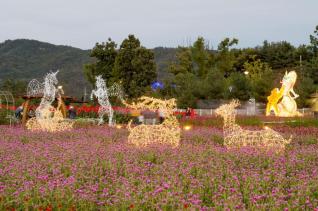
96, 169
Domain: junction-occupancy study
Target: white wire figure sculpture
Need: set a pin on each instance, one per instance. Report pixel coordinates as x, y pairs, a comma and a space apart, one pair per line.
9, 100
35, 88
236, 137
48, 118
102, 94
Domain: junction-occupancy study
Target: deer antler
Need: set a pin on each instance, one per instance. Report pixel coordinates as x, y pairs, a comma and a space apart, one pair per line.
235, 103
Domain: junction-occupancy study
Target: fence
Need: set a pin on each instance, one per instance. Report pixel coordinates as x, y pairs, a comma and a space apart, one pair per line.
209, 112
198, 112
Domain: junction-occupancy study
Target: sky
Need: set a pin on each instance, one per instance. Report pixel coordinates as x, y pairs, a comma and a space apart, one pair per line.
167, 23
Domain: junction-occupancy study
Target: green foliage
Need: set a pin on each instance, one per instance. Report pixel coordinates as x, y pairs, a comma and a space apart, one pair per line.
4, 120
134, 67
241, 87
226, 56
16, 87
23, 60
278, 54
314, 42
304, 87
201, 58
105, 55
199, 72
217, 139
305, 122
252, 121
211, 71
214, 85
260, 76
311, 69
184, 62
185, 89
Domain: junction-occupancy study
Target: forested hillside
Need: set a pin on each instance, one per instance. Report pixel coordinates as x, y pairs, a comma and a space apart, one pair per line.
189, 73
28, 59
23, 60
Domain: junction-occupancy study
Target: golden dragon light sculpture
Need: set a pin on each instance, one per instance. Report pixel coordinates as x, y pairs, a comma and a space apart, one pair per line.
281, 101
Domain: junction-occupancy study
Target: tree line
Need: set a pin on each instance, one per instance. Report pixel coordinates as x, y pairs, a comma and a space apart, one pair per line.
200, 73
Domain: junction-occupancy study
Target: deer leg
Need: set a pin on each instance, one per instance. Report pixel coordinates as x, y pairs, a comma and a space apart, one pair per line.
110, 116
101, 113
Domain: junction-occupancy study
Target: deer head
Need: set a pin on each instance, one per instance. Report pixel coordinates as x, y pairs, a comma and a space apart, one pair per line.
227, 109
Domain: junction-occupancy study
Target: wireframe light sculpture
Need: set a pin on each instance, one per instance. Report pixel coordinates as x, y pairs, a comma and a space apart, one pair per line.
236, 137
281, 101
8, 99
166, 133
35, 88
47, 118
103, 93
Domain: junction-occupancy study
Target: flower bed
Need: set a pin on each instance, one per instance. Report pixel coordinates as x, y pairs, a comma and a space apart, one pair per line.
94, 168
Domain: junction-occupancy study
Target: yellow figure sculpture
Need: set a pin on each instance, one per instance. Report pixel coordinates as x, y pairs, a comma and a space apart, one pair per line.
281, 101
276, 95
236, 137
168, 132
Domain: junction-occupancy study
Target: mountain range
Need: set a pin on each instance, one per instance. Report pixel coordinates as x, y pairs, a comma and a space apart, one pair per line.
24, 59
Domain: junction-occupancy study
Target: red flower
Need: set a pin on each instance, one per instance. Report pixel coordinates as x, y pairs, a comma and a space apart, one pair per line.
131, 206
48, 208
72, 208
185, 206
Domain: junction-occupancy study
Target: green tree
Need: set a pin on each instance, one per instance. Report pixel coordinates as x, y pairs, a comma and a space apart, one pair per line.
311, 69
304, 87
105, 55
260, 76
186, 88
314, 42
16, 87
278, 54
241, 88
134, 67
201, 57
214, 85
226, 57
183, 63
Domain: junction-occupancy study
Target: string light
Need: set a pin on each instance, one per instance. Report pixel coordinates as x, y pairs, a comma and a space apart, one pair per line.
47, 118
103, 93
280, 101
235, 136
168, 132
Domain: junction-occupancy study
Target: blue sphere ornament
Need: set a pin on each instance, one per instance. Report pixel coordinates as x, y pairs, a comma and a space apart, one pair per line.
157, 85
